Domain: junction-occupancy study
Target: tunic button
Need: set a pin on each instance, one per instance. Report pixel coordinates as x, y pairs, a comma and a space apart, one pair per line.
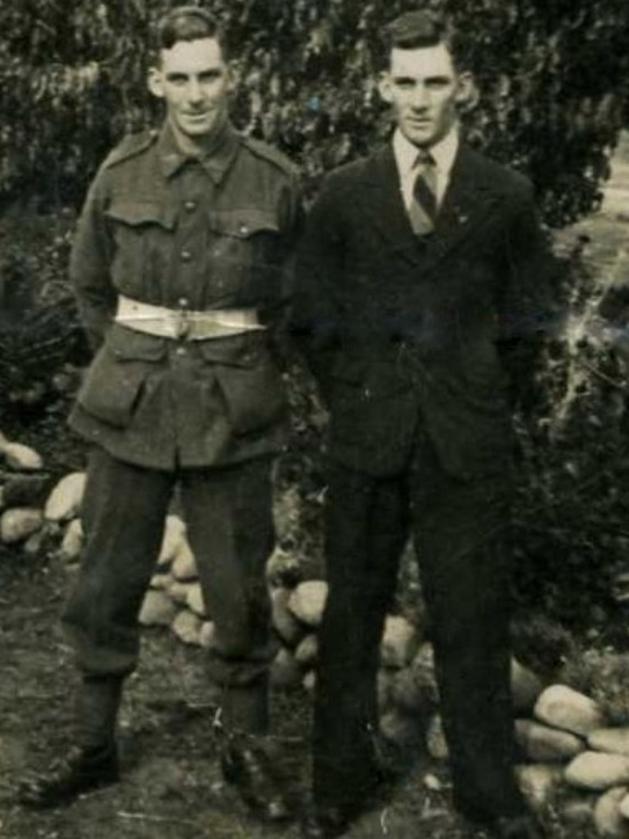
186, 256
181, 351
183, 302
190, 206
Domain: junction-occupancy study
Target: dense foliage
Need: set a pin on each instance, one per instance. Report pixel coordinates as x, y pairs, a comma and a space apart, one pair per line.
572, 502
552, 74
553, 77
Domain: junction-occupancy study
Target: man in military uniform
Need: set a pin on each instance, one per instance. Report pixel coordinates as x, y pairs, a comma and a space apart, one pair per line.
179, 266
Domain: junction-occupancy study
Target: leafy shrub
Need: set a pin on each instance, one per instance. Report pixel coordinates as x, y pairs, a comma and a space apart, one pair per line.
602, 674
40, 338
553, 74
572, 501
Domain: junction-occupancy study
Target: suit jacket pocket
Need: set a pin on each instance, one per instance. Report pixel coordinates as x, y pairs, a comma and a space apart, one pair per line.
251, 384
371, 407
113, 384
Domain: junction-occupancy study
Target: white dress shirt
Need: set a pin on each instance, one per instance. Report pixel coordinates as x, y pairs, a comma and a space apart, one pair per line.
406, 155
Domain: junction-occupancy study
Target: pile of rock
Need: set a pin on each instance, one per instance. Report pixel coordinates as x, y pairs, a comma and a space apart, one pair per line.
578, 758
30, 514
570, 757
175, 599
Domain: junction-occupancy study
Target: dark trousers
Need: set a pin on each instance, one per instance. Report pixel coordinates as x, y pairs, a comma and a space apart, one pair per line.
228, 513
459, 530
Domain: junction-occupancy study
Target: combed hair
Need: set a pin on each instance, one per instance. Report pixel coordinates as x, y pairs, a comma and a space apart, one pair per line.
413, 30
188, 23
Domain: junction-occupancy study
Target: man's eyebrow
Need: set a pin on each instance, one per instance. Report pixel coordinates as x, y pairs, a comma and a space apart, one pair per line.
437, 77
210, 71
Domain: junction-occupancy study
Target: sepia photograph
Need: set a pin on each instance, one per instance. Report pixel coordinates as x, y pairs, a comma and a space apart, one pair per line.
314, 419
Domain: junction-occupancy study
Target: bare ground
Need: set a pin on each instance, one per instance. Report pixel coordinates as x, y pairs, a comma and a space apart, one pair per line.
171, 786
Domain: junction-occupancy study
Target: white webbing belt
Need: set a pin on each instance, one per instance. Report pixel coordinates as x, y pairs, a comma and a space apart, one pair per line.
185, 323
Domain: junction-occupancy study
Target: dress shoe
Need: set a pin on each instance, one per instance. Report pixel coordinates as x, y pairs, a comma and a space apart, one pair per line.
248, 768
324, 823
79, 771
523, 826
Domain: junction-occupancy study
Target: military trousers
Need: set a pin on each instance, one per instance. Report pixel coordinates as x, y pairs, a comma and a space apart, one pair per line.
460, 533
228, 513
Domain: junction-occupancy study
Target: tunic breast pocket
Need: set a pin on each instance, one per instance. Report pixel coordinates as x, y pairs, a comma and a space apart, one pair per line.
245, 249
142, 230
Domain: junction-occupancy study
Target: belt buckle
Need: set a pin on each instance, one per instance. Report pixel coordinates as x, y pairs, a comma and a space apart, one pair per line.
182, 323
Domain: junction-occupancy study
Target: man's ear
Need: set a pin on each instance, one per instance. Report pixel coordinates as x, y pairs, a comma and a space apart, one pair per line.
467, 92
155, 82
384, 87
234, 75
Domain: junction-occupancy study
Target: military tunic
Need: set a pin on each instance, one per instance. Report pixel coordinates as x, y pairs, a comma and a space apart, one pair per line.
184, 233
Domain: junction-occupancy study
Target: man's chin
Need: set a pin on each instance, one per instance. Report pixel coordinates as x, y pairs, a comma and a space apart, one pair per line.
196, 129
420, 138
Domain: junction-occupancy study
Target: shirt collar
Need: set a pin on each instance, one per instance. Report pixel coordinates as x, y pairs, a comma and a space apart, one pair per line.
443, 152
216, 163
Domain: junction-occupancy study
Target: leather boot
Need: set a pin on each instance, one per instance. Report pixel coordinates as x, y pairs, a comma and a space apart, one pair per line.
522, 823
523, 826
324, 823
92, 761
245, 762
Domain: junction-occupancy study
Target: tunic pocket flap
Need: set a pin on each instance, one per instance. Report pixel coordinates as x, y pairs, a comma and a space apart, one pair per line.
243, 223
238, 351
128, 345
137, 212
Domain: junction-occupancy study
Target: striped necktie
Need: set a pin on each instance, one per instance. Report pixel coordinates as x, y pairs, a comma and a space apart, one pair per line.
423, 209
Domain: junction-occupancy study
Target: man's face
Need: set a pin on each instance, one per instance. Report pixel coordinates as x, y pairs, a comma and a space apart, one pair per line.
423, 89
195, 82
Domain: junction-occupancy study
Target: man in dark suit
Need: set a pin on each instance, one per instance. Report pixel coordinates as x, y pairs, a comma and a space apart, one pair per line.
422, 270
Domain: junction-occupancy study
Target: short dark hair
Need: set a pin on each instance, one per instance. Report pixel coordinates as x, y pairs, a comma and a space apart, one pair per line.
422, 28
188, 23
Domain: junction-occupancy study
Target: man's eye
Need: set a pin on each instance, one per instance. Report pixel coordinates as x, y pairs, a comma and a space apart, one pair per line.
404, 84
177, 80
210, 76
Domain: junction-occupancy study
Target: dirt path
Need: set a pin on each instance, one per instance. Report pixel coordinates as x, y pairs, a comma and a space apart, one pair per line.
171, 787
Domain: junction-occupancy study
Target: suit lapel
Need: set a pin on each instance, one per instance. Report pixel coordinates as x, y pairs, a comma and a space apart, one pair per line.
468, 199
385, 205
465, 205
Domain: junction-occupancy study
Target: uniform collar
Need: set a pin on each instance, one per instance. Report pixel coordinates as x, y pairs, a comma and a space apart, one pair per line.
443, 152
216, 163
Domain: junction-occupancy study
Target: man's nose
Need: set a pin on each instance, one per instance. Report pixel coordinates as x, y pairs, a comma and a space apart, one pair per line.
419, 99
195, 92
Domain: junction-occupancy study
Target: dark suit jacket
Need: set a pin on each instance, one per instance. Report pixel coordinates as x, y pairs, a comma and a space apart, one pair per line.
400, 329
